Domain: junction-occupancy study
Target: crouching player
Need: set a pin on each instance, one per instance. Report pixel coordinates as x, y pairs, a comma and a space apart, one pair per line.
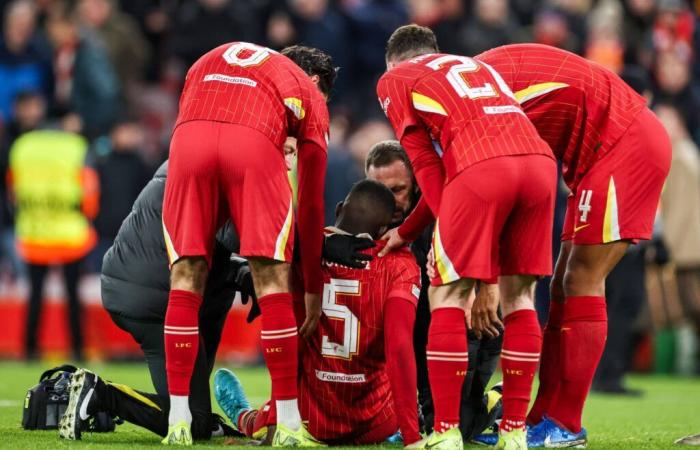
357, 374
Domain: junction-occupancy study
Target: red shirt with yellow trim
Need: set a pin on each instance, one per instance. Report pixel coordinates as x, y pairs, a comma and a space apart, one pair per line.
254, 86
345, 383
469, 113
579, 107
250, 85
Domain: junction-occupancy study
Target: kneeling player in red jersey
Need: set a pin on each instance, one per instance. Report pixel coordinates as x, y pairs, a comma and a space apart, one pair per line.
490, 181
615, 156
239, 104
357, 378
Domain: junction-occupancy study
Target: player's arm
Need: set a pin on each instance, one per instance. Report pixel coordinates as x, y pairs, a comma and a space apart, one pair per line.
311, 175
399, 318
427, 166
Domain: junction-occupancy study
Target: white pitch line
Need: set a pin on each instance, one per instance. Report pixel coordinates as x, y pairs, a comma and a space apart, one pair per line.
9, 403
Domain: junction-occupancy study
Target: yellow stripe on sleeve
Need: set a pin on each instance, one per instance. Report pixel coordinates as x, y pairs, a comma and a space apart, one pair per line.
537, 90
427, 104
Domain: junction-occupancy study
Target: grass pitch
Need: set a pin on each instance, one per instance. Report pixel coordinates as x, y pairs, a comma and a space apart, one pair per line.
670, 409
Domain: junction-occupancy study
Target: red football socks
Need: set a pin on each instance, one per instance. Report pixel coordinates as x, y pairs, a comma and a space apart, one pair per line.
550, 367
522, 341
448, 359
246, 422
279, 339
181, 339
583, 332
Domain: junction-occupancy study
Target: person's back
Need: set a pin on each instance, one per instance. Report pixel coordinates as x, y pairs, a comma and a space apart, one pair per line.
579, 107
344, 363
249, 85
433, 87
135, 260
48, 182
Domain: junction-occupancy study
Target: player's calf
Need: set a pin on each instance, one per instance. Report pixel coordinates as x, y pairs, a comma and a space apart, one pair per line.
522, 343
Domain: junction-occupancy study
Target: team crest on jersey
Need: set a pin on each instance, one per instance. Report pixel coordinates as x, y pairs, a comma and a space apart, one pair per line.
385, 104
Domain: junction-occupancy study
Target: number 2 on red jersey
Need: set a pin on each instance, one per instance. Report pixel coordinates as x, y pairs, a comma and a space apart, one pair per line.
458, 75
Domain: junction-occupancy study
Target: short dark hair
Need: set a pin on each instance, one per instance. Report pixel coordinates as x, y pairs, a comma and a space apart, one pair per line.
386, 152
410, 41
314, 62
373, 196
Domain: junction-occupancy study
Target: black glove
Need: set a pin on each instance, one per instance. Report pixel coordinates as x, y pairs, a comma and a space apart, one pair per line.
243, 280
345, 249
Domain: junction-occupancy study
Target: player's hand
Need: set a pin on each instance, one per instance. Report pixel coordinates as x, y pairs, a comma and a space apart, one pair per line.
430, 264
345, 249
242, 278
484, 316
313, 314
394, 241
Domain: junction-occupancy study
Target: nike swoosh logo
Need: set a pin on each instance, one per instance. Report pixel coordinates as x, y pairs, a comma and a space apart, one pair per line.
83, 406
577, 229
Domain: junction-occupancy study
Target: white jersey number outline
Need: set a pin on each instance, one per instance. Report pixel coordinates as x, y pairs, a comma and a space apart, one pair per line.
333, 310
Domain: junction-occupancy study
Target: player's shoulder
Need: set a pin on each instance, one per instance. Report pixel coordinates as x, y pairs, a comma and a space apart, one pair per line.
398, 261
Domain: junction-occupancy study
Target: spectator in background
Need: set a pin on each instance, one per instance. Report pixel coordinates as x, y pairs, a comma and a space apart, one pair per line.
680, 214
126, 46
122, 174
673, 28
201, 25
551, 28
55, 196
25, 64
86, 82
673, 86
490, 25
29, 113
604, 44
318, 24
638, 20
370, 24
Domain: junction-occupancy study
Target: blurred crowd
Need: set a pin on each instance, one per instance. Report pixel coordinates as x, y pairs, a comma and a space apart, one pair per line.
111, 71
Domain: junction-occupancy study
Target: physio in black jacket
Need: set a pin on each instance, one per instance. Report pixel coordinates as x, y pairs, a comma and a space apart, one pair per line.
135, 284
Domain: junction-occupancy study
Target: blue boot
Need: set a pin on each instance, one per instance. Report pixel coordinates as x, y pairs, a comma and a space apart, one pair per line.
230, 396
549, 434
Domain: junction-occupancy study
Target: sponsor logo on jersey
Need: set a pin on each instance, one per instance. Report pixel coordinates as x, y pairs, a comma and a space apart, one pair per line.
231, 80
415, 290
336, 377
505, 109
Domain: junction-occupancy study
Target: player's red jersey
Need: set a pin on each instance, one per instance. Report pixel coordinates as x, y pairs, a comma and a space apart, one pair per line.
255, 86
469, 111
345, 389
579, 107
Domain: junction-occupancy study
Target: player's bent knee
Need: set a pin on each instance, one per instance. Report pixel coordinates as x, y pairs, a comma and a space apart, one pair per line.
517, 292
189, 274
269, 276
452, 295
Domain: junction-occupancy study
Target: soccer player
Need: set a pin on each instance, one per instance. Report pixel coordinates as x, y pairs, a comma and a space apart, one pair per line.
239, 104
615, 156
489, 179
388, 163
357, 382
